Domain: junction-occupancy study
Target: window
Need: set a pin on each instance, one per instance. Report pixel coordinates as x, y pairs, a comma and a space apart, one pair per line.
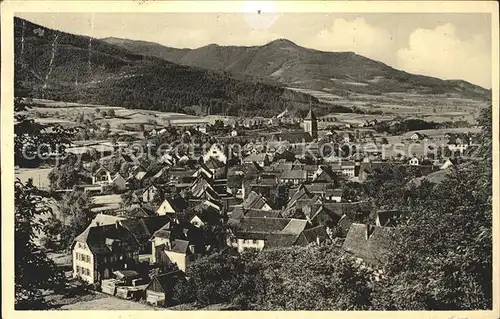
78, 269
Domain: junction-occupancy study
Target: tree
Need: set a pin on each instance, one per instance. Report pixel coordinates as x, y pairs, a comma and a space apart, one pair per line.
442, 258
76, 207
34, 270
34, 141
63, 176
384, 140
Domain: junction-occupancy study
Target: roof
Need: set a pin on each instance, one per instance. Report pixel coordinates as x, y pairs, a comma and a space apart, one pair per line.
180, 246
311, 234
311, 116
167, 281
255, 158
163, 232
295, 174
177, 202
254, 200
100, 238
280, 231
213, 163
369, 242
144, 228
104, 219
126, 273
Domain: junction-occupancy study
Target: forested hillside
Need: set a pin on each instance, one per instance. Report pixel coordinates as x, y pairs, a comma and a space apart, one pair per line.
283, 61
62, 66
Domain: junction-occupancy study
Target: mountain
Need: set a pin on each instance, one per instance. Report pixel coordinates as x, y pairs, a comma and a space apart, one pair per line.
283, 61
62, 66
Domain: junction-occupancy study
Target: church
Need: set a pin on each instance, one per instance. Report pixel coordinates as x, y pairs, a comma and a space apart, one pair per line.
311, 124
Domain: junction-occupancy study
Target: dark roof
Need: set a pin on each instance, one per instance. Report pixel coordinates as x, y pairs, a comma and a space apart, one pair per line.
369, 242
167, 281
180, 246
262, 213
100, 238
311, 234
295, 174
144, 228
213, 163
254, 201
163, 232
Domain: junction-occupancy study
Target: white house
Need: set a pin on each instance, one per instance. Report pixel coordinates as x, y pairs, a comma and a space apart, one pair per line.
215, 151
414, 161
448, 163
102, 177
348, 169
172, 205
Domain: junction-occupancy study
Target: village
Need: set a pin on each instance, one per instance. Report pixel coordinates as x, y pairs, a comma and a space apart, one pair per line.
181, 192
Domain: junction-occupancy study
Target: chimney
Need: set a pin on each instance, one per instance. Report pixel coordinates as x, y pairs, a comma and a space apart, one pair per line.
191, 249
117, 224
317, 240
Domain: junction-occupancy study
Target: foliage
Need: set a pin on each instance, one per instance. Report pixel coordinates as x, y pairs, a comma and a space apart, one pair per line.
443, 256
34, 270
223, 277
312, 278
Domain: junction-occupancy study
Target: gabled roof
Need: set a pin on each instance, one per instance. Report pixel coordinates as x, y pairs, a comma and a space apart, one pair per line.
255, 201
177, 202
167, 281
180, 246
371, 243
144, 228
213, 163
98, 238
164, 232
311, 234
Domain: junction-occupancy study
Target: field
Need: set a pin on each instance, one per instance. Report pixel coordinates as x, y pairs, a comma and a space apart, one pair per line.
437, 108
65, 114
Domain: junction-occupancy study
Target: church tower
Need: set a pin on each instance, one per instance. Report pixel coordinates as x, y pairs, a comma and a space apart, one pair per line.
311, 123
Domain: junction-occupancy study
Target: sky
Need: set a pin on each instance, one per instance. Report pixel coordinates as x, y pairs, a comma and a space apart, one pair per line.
443, 45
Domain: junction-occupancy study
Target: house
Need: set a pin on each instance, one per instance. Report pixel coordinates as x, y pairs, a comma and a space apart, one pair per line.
100, 250
159, 291
172, 205
102, 177
143, 229
261, 159
348, 169
324, 174
294, 177
217, 152
178, 252
413, 161
119, 182
417, 136
371, 243
104, 219
256, 201
316, 235
149, 194
257, 233
447, 164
